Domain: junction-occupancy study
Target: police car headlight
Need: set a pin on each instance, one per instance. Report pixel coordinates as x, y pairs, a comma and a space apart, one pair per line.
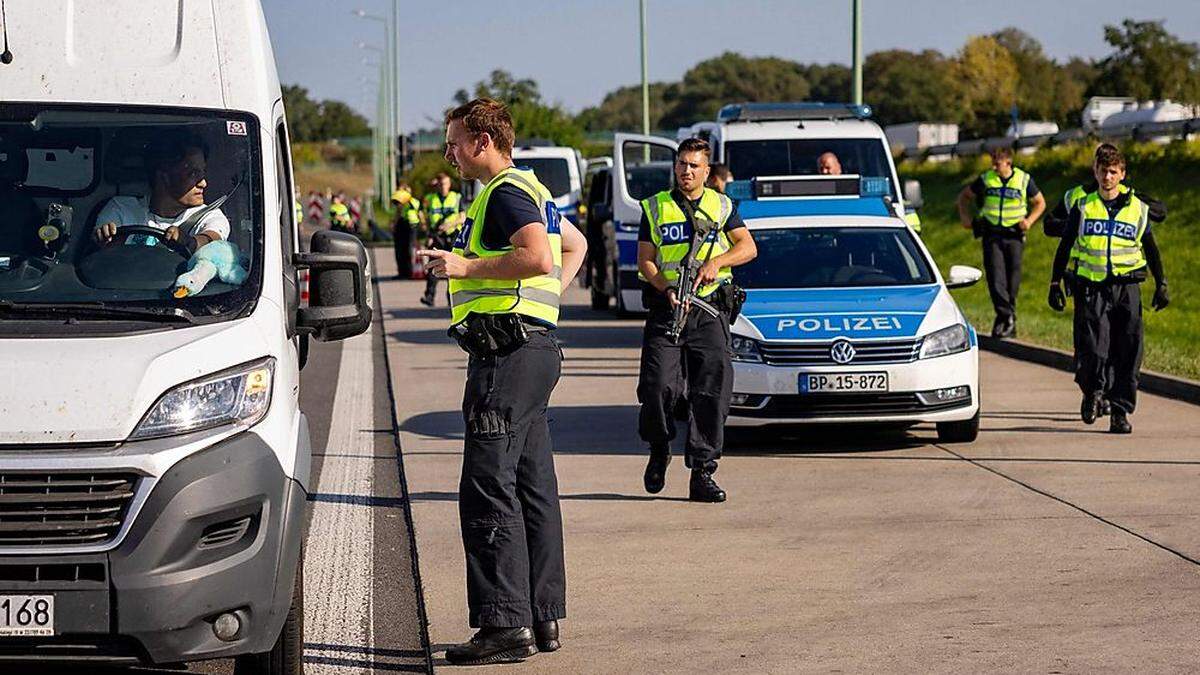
950, 340
745, 349
240, 395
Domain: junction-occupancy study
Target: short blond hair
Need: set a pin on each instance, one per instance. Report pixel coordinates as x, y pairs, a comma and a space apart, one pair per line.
487, 116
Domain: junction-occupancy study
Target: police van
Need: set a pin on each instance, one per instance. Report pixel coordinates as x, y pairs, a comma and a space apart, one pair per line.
752, 139
847, 319
154, 462
559, 169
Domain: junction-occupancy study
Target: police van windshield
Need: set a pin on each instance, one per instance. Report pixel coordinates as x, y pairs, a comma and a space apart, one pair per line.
553, 172
834, 257
801, 157
128, 212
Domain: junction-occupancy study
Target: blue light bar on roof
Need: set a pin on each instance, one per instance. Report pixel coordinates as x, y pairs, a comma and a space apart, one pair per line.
783, 208
775, 112
809, 187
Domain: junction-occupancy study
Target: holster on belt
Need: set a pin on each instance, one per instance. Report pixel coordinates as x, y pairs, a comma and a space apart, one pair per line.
487, 335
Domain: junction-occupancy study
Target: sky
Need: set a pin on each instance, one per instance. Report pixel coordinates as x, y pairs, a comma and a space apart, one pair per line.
579, 50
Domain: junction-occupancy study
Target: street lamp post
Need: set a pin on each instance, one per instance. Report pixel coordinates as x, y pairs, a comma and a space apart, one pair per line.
856, 48
645, 82
388, 84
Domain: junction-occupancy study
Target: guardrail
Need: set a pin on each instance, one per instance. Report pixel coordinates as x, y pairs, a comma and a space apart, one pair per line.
1139, 132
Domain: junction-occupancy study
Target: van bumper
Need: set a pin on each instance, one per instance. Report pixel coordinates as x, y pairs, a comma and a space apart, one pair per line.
220, 532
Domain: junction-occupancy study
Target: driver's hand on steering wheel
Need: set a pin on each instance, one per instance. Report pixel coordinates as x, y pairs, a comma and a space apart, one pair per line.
172, 233
106, 232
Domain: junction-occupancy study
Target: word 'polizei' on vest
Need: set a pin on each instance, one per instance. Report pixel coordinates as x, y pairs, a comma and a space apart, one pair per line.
1005, 204
672, 234
536, 298
1109, 246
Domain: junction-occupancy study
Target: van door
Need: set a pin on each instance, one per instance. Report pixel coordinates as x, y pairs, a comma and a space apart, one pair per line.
642, 166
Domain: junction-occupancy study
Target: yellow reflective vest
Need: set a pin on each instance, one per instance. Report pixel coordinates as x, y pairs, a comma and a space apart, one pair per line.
439, 208
1005, 203
671, 234
537, 298
1108, 246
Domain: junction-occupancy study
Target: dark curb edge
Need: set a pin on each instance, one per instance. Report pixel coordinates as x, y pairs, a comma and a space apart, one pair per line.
1150, 382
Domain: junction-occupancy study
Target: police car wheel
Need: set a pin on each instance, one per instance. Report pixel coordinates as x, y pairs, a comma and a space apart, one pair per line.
964, 431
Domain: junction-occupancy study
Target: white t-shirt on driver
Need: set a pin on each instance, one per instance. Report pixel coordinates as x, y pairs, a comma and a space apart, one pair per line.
127, 210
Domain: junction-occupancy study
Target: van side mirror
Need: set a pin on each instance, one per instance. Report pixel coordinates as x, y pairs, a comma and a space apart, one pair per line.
339, 287
912, 194
962, 276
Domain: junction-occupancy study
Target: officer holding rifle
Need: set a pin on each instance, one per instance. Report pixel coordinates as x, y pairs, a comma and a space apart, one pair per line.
689, 239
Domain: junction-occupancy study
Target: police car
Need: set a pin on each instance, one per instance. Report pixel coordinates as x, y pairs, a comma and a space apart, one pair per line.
847, 318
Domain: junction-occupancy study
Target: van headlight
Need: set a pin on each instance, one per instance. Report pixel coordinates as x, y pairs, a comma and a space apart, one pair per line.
239, 395
745, 349
950, 340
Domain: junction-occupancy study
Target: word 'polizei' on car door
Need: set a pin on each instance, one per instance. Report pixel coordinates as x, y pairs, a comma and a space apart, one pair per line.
847, 319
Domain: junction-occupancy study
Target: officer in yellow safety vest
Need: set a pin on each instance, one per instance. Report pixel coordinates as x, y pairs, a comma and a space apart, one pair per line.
1104, 256
511, 260
443, 218
339, 214
1009, 203
701, 354
407, 221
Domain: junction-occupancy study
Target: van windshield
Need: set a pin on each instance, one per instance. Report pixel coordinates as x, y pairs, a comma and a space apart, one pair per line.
553, 172
123, 212
834, 257
802, 157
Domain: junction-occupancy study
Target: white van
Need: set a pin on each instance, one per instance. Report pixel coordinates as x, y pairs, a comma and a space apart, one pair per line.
154, 463
558, 168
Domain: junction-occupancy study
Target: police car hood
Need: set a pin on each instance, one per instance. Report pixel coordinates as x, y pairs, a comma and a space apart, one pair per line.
854, 313
97, 389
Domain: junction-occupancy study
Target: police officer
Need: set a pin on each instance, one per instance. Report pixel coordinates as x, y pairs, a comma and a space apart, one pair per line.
702, 353
508, 267
1104, 261
443, 217
719, 176
339, 214
1009, 203
407, 221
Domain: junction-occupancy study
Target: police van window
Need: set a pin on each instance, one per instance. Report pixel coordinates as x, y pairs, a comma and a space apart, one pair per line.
287, 213
60, 168
798, 157
648, 168
834, 258
553, 172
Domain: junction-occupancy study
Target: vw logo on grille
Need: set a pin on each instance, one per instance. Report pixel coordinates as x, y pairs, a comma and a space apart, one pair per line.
842, 352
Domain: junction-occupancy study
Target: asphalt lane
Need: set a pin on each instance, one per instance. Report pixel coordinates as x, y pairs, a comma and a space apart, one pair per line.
1046, 545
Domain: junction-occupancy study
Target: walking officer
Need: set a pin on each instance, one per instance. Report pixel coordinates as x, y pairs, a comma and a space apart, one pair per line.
701, 354
508, 267
443, 217
1009, 203
1104, 257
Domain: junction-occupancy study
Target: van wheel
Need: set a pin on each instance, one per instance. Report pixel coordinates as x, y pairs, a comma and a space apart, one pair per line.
287, 656
965, 431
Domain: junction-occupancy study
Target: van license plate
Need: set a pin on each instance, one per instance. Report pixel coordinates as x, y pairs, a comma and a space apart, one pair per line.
26, 615
842, 382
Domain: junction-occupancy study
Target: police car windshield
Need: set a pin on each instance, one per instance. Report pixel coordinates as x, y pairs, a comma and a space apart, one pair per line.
834, 257
105, 205
553, 172
799, 157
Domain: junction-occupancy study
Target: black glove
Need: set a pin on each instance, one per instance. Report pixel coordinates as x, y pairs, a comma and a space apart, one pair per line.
1057, 299
1161, 297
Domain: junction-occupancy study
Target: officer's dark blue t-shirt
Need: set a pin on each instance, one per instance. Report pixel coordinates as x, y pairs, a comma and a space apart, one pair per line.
509, 209
734, 222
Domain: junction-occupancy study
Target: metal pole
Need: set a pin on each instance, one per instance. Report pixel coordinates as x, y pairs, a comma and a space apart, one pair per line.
645, 82
856, 49
396, 80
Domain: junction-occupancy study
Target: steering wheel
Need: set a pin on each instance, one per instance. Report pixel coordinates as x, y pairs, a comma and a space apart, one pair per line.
174, 245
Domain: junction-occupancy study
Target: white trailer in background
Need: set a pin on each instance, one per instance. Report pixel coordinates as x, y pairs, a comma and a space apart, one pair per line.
920, 135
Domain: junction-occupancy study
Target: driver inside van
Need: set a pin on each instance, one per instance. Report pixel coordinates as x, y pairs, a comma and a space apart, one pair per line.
177, 167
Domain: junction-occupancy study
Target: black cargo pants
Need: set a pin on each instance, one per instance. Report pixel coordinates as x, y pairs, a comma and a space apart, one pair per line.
1002, 255
703, 357
1108, 340
508, 493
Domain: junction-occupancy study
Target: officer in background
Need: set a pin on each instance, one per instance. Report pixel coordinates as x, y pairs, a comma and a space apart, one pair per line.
339, 214
507, 271
407, 221
443, 217
1104, 263
1009, 203
702, 354
718, 176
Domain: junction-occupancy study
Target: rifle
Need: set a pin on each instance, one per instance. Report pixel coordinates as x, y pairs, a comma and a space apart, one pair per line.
688, 268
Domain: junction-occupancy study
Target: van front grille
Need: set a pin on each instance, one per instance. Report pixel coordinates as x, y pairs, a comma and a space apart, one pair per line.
63, 509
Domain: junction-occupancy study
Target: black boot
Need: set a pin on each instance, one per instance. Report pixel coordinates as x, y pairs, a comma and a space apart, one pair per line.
1089, 409
546, 633
1105, 408
427, 300
1119, 422
656, 469
703, 488
494, 645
